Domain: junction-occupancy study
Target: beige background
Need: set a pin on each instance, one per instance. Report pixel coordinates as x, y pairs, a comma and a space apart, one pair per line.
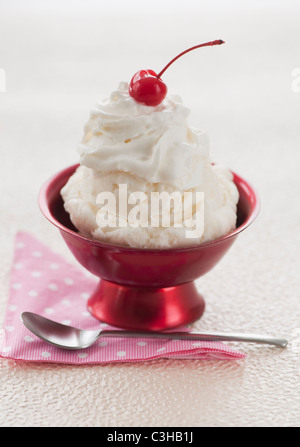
62, 56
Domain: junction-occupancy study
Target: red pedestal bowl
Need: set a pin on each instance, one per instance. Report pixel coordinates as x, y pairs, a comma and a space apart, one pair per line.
144, 289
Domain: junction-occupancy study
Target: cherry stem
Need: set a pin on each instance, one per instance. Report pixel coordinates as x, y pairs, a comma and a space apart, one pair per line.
207, 44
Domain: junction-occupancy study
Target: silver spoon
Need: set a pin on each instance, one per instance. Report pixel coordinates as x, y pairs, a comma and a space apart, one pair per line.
68, 337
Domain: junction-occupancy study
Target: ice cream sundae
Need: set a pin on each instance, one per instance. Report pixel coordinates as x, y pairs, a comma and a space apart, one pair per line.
138, 142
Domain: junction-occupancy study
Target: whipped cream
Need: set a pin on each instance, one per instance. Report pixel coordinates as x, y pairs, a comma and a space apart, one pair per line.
154, 143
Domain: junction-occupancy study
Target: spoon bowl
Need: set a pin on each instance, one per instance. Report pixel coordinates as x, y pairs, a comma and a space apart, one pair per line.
58, 334
68, 337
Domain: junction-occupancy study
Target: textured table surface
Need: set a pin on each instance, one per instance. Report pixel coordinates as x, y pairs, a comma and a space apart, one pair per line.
59, 59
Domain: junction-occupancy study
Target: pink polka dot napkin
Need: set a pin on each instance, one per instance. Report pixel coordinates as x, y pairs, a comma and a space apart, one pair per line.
43, 282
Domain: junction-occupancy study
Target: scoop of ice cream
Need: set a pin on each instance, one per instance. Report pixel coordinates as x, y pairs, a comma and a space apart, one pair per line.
150, 150
81, 192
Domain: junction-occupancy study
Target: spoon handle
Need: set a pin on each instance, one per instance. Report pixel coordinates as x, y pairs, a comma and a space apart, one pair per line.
203, 336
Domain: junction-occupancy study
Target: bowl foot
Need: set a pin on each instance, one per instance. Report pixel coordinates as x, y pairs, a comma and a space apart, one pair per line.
146, 308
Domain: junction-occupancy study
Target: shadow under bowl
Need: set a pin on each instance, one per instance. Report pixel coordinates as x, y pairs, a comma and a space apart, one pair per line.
144, 289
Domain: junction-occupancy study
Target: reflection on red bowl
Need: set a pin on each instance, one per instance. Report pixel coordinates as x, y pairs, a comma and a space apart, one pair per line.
145, 289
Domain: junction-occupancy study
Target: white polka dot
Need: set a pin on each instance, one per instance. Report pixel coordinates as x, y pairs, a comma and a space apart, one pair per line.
9, 328
161, 349
103, 343
54, 266
66, 322
69, 281
36, 274
85, 313
37, 254
82, 355
20, 245
33, 293
49, 310
53, 287
46, 354
121, 353
66, 303
16, 286
18, 265
141, 343
28, 339
12, 307
85, 295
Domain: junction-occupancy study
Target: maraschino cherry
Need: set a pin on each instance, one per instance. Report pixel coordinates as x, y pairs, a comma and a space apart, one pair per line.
148, 88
